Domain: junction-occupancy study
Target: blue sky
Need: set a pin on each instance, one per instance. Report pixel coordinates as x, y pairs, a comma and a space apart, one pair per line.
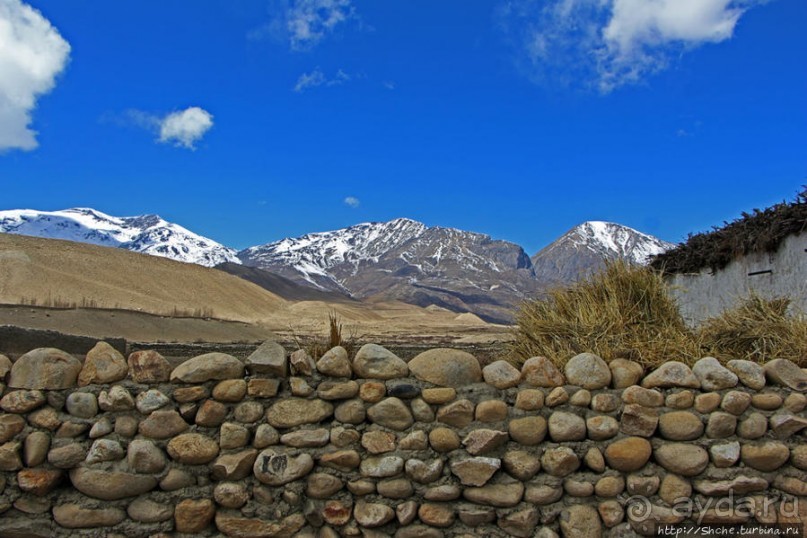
250, 120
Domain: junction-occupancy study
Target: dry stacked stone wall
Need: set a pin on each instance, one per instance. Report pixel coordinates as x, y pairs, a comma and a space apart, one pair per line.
371, 445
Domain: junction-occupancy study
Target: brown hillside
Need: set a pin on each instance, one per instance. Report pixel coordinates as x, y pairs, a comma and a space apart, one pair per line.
53, 272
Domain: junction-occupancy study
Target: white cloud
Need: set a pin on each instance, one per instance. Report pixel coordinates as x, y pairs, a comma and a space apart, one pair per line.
186, 127
609, 43
317, 78
32, 54
352, 201
309, 21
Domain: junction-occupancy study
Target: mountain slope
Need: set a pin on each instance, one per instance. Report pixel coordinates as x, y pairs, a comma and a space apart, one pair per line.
282, 286
408, 261
147, 234
586, 247
55, 272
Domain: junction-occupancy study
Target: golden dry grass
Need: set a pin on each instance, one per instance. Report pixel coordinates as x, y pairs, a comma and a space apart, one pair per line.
757, 329
626, 312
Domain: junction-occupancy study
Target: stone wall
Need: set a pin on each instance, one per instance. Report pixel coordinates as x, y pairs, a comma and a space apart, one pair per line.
282, 446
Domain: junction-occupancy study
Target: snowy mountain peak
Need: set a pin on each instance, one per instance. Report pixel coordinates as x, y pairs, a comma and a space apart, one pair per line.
148, 234
616, 241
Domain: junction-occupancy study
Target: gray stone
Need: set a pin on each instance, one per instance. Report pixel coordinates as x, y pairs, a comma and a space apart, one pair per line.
671, 374
642, 396
458, 414
566, 427
208, 367
146, 510
74, 516
750, 374
276, 468
601, 427
375, 362
145, 457
391, 413
381, 466
82, 404
269, 358
110, 485
371, 515
587, 370
67, 456
231, 494
721, 425
151, 400
104, 450
501, 374
177, 479
424, 472
10, 456
725, 455
306, 438
682, 458
713, 375
101, 428
521, 464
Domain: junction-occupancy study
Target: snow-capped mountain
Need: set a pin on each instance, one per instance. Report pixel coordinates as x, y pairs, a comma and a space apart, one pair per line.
148, 234
586, 247
406, 260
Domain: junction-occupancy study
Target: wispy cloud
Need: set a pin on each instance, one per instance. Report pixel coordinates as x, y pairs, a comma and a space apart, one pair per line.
304, 23
32, 54
317, 78
352, 201
183, 128
610, 43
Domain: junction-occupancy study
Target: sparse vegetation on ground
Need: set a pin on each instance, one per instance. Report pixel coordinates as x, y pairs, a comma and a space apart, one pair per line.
626, 312
336, 337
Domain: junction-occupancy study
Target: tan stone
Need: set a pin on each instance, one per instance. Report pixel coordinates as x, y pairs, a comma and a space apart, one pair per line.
335, 363
605, 403
372, 391
333, 390
707, 402
594, 460
611, 513
671, 374
103, 364
647, 486
235, 526
337, 513
263, 387
193, 515
557, 396
22, 401
543, 494
145, 510
530, 399
501, 374
482, 441
439, 395
446, 367
416, 440
376, 362
163, 425
680, 426
350, 412
148, 367
498, 495
767, 456
190, 394
642, 396
342, 460
528, 430
391, 413
293, 412
268, 359
767, 401
230, 390
721, 425
588, 371
248, 412
44, 369
540, 372
395, 488
566, 427
491, 411
628, 454
436, 515
625, 373
601, 427
475, 471
322, 485
682, 458
458, 414
208, 367
211, 414
609, 486
560, 461
39, 481
275, 468
753, 427
580, 521
680, 400
424, 472
192, 449
638, 420
581, 398
371, 515
378, 442
674, 489
779, 371
751, 374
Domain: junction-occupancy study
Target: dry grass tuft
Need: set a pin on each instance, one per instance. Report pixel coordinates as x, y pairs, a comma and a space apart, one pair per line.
759, 330
622, 312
